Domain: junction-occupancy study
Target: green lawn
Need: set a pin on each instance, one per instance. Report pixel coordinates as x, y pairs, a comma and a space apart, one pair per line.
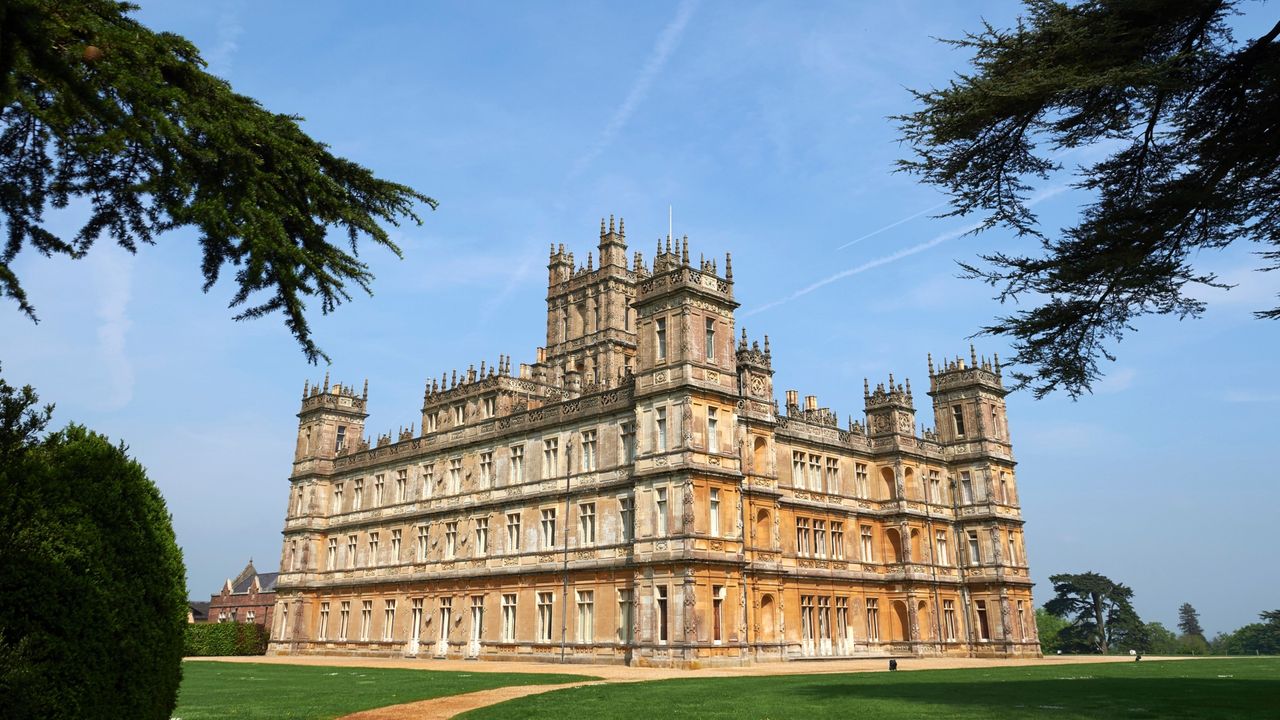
1246, 688
213, 690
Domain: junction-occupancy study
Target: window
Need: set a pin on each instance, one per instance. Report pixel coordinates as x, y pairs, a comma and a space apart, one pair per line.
806, 617
824, 617
713, 437
860, 480
935, 488
714, 508
957, 416
351, 551
660, 430
995, 421
477, 618
627, 511
548, 528
984, 624
717, 613
815, 472
490, 406
342, 439
842, 618
711, 339
331, 558
661, 606
423, 531
388, 619
628, 436
837, 540
966, 488
509, 617
378, 482
337, 498
867, 555
1005, 497
660, 510
586, 615
293, 555
450, 540
486, 469
797, 468
344, 615
940, 556
324, 622
297, 502
949, 619
974, 556
513, 532
222, 616
586, 524
550, 457
873, 620
1022, 626
660, 333
395, 546
402, 482
373, 548
803, 538
820, 538
516, 468
596, 312
455, 476
1013, 549
625, 609
428, 479
545, 616
588, 450
446, 617
459, 413
250, 616
833, 475
357, 496
482, 537
433, 421
366, 619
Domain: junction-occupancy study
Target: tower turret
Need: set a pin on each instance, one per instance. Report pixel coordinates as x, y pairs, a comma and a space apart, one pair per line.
968, 400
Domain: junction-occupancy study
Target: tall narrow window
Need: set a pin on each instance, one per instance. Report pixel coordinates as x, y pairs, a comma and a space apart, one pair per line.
815, 472
873, 620
459, 413
587, 524
660, 430
625, 600
293, 555
344, 617
433, 421
323, 634
714, 510
357, 496
351, 551
628, 436
379, 482
509, 617
586, 615
428, 480
661, 604
710, 342
820, 538
837, 540
373, 548
402, 482
797, 469
550, 457
331, 558
366, 619
984, 623
1013, 549
940, 556
388, 619
713, 434
548, 528
660, 332
297, 502
516, 468
660, 510
588, 450
337, 498
966, 488
860, 480
482, 537
833, 475
1022, 626
717, 613
490, 405
545, 616
395, 546
446, 617
949, 619
802, 536
486, 469
627, 512
867, 545
935, 488
957, 417
513, 532
455, 475
974, 556
422, 542
342, 439
450, 540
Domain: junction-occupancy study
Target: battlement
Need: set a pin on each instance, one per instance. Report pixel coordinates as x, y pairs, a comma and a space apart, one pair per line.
337, 397
810, 413
754, 356
672, 270
887, 396
955, 373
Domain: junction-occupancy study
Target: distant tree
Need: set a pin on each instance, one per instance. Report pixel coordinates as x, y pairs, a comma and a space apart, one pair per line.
1189, 621
1159, 640
92, 585
1197, 167
1253, 639
96, 108
1099, 611
1048, 626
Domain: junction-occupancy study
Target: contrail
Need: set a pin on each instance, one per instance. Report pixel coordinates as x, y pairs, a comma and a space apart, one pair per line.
893, 225
667, 41
894, 257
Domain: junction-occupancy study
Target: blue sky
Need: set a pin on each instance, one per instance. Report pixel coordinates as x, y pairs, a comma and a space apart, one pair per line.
764, 125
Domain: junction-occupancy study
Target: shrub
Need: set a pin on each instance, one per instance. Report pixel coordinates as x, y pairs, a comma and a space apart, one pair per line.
226, 639
92, 585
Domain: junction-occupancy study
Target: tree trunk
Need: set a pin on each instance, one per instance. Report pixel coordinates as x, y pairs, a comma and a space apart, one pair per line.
1101, 620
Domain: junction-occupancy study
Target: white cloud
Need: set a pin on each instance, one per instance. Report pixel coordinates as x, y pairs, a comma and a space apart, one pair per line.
227, 42
113, 278
1115, 381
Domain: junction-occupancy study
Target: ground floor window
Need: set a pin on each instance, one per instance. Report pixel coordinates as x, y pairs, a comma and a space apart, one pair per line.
873, 620
544, 616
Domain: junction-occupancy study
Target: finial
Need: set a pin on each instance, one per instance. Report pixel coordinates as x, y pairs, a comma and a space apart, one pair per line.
668, 243
306, 388
622, 228
590, 262
908, 387
930, 355
766, 346
659, 250
728, 266
684, 253
481, 368
973, 356
453, 379
601, 227
997, 357
365, 395
326, 381
561, 248
890, 382
866, 388
610, 223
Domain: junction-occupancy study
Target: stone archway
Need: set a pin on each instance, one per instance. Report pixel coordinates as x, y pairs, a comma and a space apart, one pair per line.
899, 624
768, 619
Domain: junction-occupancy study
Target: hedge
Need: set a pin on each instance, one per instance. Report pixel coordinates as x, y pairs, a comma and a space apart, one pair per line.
234, 638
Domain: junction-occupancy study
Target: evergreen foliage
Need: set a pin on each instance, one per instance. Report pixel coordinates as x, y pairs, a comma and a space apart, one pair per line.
96, 108
1189, 621
1100, 612
1198, 166
92, 585
233, 638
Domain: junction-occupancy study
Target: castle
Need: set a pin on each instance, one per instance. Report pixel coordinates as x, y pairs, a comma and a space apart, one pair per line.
636, 495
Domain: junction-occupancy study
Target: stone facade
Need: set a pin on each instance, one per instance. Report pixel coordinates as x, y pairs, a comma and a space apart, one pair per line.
636, 495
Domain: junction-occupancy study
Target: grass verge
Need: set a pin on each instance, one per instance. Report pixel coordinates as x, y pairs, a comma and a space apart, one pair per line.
1172, 689
254, 691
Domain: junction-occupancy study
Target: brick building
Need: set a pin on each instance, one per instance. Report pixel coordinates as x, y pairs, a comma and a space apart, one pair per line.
637, 495
248, 597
